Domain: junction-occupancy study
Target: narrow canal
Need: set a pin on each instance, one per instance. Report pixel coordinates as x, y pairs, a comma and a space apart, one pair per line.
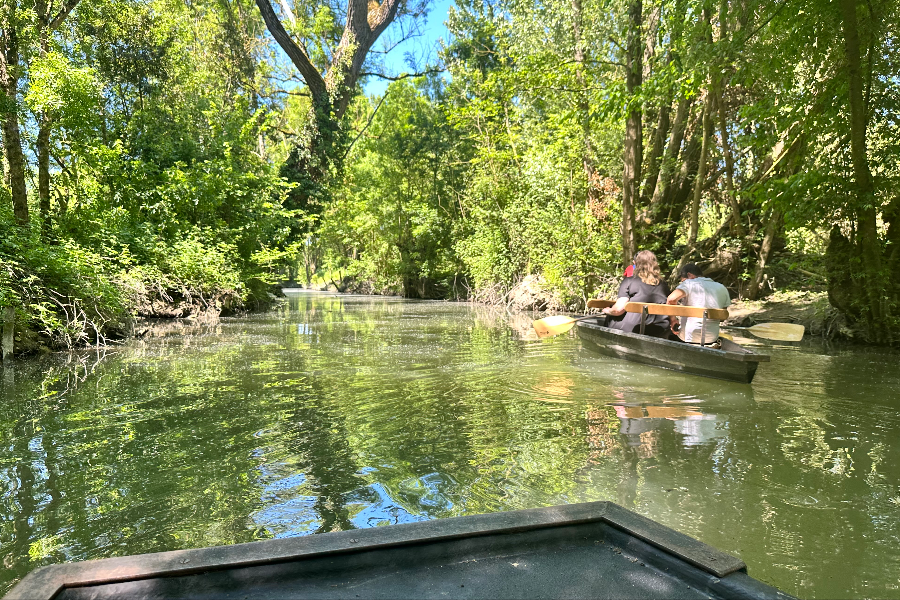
340, 412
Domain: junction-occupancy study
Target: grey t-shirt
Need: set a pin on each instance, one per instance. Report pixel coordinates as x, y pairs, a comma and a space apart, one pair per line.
704, 292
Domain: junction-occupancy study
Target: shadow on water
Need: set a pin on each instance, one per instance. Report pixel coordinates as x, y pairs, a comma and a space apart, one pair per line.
338, 412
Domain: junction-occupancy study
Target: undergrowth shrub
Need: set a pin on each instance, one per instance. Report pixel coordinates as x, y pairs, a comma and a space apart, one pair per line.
63, 294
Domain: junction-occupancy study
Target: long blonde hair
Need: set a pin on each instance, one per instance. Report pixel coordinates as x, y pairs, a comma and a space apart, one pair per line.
646, 267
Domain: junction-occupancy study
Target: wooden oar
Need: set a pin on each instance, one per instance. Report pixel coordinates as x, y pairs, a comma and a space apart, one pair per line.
557, 324
783, 332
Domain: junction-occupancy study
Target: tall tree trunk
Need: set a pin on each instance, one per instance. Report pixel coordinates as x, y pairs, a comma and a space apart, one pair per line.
682, 189
669, 214
655, 158
12, 140
668, 166
660, 114
719, 91
15, 159
731, 193
867, 239
330, 94
43, 137
633, 132
700, 179
43, 152
584, 109
663, 120
765, 252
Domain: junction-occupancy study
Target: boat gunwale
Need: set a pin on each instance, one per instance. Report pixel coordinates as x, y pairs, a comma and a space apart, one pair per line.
48, 581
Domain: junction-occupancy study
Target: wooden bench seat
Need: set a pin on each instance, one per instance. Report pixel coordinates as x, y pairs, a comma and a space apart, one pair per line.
671, 310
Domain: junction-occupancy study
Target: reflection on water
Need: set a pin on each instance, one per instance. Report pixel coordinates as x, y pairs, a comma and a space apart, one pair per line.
341, 412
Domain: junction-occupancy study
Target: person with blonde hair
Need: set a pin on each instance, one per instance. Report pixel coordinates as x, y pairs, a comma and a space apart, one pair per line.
645, 285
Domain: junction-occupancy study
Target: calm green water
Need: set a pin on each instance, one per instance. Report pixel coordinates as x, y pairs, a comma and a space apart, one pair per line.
345, 412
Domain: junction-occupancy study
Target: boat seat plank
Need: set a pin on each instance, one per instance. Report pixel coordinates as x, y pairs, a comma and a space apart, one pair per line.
672, 310
677, 310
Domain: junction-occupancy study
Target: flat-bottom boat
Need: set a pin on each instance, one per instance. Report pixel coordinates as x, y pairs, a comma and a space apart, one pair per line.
591, 550
729, 361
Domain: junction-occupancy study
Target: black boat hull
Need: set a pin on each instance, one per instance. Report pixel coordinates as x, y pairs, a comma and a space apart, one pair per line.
732, 362
591, 550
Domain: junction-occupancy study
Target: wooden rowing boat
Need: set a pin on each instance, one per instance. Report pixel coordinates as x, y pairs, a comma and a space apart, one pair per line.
591, 550
730, 361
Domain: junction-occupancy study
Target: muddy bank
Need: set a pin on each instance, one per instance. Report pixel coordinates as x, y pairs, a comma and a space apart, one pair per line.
174, 305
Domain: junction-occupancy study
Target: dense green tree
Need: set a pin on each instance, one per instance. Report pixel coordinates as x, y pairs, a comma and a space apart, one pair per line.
329, 45
26, 33
161, 126
396, 211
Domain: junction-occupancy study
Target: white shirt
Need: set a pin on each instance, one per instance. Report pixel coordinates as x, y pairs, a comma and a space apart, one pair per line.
706, 293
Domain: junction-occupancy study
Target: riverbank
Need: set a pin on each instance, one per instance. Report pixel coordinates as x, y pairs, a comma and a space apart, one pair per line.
152, 307
810, 309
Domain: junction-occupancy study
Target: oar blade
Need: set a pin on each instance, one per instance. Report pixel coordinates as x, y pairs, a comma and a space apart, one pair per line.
555, 325
784, 332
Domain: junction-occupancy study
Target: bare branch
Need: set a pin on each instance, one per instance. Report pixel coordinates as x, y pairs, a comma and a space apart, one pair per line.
62, 165
594, 61
431, 71
366, 126
766, 22
67, 7
273, 92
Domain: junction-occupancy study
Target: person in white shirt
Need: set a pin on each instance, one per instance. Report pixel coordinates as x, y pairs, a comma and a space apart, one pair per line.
697, 290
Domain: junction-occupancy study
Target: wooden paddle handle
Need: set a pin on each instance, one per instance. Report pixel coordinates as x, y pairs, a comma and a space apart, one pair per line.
600, 303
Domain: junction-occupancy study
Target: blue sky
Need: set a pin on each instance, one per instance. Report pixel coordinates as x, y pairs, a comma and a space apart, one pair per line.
421, 50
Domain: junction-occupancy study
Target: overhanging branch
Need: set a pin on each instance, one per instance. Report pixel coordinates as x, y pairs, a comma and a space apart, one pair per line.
366, 126
433, 71
67, 7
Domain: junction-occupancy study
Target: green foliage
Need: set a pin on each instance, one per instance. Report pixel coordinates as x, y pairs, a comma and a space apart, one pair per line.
162, 187
396, 213
193, 265
67, 93
516, 99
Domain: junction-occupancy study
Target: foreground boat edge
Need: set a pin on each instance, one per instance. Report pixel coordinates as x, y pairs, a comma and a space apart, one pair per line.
726, 574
